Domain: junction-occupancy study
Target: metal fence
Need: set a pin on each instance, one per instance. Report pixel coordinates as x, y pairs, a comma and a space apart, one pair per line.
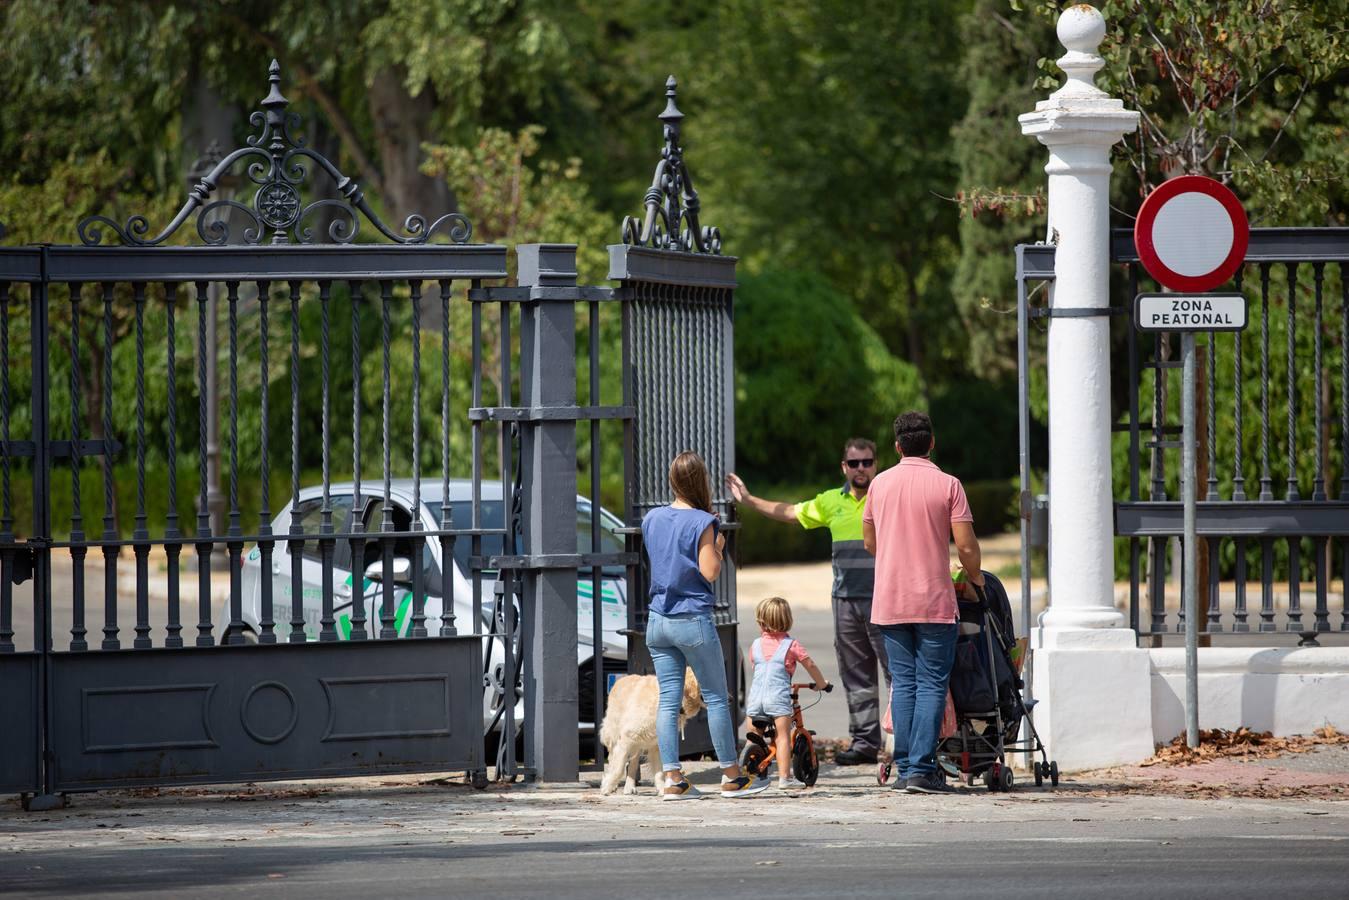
384, 622
1275, 420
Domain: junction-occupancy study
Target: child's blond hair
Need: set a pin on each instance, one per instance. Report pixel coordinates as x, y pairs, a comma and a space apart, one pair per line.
774, 614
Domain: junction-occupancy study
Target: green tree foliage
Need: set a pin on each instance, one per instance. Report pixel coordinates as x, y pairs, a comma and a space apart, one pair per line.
811, 372
1252, 92
862, 160
1001, 173
827, 144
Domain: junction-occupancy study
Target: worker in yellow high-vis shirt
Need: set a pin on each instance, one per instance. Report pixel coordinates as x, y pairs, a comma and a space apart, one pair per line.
861, 653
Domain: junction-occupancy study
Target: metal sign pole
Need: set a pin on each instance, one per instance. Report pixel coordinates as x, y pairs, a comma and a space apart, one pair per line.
1190, 586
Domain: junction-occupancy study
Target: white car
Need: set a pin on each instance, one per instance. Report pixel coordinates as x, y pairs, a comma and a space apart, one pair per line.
367, 517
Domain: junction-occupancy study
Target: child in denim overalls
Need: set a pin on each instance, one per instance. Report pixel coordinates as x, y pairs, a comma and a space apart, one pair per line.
775, 655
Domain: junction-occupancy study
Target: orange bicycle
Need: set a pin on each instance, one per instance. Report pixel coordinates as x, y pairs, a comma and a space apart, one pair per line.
761, 750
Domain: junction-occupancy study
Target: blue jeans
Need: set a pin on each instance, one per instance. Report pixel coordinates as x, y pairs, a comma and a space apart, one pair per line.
920, 656
689, 641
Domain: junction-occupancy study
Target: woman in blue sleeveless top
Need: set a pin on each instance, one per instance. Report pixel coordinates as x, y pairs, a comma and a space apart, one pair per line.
684, 546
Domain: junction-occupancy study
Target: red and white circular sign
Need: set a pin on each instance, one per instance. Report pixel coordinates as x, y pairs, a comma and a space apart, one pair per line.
1191, 233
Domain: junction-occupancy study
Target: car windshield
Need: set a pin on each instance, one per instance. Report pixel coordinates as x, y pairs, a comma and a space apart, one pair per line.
492, 544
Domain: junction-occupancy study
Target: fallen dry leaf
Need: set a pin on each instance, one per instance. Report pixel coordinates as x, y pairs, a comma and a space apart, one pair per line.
1243, 743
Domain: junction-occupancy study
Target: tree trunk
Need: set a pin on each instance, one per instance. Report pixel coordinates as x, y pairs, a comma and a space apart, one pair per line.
402, 124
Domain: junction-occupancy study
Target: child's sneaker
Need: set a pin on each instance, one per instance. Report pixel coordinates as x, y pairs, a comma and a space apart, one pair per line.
680, 791
743, 786
791, 784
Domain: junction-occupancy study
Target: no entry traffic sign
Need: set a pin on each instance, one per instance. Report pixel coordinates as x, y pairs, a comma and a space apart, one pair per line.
1191, 234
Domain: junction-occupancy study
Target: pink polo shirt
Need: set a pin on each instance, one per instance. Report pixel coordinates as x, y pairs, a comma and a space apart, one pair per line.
912, 506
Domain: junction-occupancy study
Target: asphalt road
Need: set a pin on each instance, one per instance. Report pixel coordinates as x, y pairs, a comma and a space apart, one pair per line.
844, 838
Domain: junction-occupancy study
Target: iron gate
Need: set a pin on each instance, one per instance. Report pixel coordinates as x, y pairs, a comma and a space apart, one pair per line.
680, 384
362, 621
1268, 509
273, 685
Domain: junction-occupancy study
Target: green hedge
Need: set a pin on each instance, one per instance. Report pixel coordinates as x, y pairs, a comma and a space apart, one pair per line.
993, 504
763, 540
156, 498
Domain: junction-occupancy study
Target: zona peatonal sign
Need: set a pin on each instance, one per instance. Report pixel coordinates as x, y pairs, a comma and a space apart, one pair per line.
1191, 235
1190, 312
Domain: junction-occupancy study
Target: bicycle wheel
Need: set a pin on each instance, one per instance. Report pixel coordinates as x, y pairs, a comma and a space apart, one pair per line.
805, 764
754, 757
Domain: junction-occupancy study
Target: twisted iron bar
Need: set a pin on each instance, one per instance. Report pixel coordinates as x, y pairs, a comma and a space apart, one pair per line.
671, 202
278, 167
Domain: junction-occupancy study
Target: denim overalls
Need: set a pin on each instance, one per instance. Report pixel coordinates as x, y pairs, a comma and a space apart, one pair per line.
770, 694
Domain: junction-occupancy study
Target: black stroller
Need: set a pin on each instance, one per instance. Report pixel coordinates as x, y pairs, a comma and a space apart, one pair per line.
986, 691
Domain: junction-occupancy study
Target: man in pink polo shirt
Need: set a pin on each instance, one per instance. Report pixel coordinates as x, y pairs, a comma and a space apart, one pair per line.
913, 511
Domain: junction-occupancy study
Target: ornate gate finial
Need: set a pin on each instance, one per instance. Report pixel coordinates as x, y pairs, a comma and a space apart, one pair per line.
671, 198
278, 211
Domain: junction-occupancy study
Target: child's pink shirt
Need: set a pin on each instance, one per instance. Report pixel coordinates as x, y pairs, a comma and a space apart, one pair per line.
769, 642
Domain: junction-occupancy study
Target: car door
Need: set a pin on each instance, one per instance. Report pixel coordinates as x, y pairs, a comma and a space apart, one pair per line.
417, 551
308, 514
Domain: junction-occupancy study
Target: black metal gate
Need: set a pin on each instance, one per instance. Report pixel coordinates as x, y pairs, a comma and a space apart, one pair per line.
389, 624
1269, 515
679, 330
271, 685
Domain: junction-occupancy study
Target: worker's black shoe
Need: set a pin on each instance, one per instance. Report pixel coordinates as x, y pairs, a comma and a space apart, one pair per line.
854, 757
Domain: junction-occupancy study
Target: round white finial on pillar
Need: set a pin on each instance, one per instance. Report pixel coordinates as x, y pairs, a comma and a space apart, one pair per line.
1081, 29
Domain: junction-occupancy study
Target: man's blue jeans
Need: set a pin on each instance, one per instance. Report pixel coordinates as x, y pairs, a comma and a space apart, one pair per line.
920, 656
689, 640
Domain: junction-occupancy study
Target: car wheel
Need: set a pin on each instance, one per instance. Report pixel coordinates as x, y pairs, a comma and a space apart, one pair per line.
245, 632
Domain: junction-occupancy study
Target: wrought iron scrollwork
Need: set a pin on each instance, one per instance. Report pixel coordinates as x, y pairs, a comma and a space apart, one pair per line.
671, 220
278, 165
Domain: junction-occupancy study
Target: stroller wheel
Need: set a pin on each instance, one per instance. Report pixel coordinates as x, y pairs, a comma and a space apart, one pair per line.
991, 779
1039, 774
1054, 773
882, 773
1006, 780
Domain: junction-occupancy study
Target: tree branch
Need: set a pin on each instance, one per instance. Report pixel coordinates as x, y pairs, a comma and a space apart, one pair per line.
1170, 63
1286, 119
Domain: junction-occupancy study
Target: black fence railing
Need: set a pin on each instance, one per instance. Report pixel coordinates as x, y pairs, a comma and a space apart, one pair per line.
1272, 513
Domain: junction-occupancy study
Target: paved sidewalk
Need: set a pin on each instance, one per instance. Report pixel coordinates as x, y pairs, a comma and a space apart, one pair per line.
1121, 833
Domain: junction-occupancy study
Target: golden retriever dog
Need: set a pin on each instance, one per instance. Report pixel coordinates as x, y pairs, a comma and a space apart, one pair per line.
629, 729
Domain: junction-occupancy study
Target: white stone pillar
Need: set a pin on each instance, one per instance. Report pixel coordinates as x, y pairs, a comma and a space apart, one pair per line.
1091, 680
1079, 123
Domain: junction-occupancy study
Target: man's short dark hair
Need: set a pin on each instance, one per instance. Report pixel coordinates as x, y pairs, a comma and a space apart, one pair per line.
859, 443
913, 433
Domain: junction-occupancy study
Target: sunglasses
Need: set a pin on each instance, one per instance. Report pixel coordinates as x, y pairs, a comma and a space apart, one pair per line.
854, 463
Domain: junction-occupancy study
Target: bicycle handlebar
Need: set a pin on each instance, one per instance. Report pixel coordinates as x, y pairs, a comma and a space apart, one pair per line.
828, 687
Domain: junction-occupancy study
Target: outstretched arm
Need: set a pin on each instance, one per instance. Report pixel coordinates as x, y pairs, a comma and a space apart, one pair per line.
773, 509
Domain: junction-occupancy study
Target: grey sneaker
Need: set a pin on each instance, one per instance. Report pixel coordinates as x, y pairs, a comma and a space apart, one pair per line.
930, 783
743, 786
680, 791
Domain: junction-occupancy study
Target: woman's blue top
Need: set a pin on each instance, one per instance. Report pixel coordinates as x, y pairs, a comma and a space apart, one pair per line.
670, 537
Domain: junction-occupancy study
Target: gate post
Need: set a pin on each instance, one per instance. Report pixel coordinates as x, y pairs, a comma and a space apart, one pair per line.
1092, 681
548, 450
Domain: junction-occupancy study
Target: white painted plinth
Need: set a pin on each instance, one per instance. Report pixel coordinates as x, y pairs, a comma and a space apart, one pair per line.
1095, 701
1283, 690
